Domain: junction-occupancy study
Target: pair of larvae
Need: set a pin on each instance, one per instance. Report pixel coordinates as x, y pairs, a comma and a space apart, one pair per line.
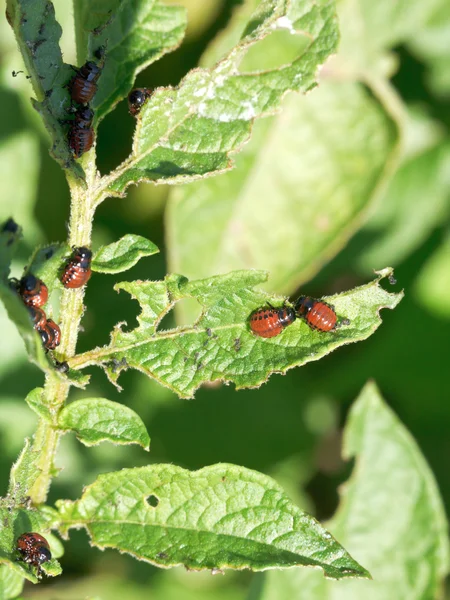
83, 87
34, 293
319, 315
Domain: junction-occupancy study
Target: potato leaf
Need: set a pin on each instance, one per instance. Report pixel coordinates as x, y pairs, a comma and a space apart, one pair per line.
391, 516
222, 516
190, 131
123, 254
96, 420
220, 344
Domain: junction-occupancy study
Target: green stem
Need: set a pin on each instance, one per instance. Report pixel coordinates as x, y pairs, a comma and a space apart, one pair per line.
56, 390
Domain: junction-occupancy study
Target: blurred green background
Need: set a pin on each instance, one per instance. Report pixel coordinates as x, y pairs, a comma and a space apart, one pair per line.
290, 428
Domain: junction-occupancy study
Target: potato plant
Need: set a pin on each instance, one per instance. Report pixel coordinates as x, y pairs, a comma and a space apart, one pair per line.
276, 146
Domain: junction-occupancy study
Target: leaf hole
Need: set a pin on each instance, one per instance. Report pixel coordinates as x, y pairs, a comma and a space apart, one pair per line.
152, 500
276, 50
186, 311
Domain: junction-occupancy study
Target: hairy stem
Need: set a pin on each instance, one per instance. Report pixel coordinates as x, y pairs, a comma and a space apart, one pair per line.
56, 389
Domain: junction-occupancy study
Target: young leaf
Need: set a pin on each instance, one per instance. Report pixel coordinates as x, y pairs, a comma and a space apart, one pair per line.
17, 518
122, 255
190, 131
391, 516
219, 517
134, 34
36, 402
37, 33
310, 172
24, 471
96, 420
220, 345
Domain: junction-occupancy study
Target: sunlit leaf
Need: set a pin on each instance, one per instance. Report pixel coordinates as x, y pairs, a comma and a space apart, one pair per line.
219, 517
190, 131
38, 33
299, 190
134, 34
220, 345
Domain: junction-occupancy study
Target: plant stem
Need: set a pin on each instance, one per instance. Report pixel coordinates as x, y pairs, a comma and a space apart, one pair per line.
56, 389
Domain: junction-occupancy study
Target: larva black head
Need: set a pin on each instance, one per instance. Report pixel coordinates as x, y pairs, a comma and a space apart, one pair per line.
303, 305
137, 99
82, 253
28, 283
90, 71
43, 555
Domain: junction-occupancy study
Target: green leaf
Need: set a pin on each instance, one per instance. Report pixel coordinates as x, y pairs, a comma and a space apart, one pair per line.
17, 518
19, 180
220, 345
96, 420
11, 583
24, 471
219, 517
375, 27
47, 262
37, 33
36, 401
310, 172
423, 183
135, 34
18, 313
432, 286
391, 516
431, 44
190, 131
44, 264
122, 255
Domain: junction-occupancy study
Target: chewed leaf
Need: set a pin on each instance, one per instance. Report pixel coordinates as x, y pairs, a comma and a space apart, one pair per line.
301, 161
191, 131
122, 255
222, 516
96, 420
220, 345
37, 33
134, 34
